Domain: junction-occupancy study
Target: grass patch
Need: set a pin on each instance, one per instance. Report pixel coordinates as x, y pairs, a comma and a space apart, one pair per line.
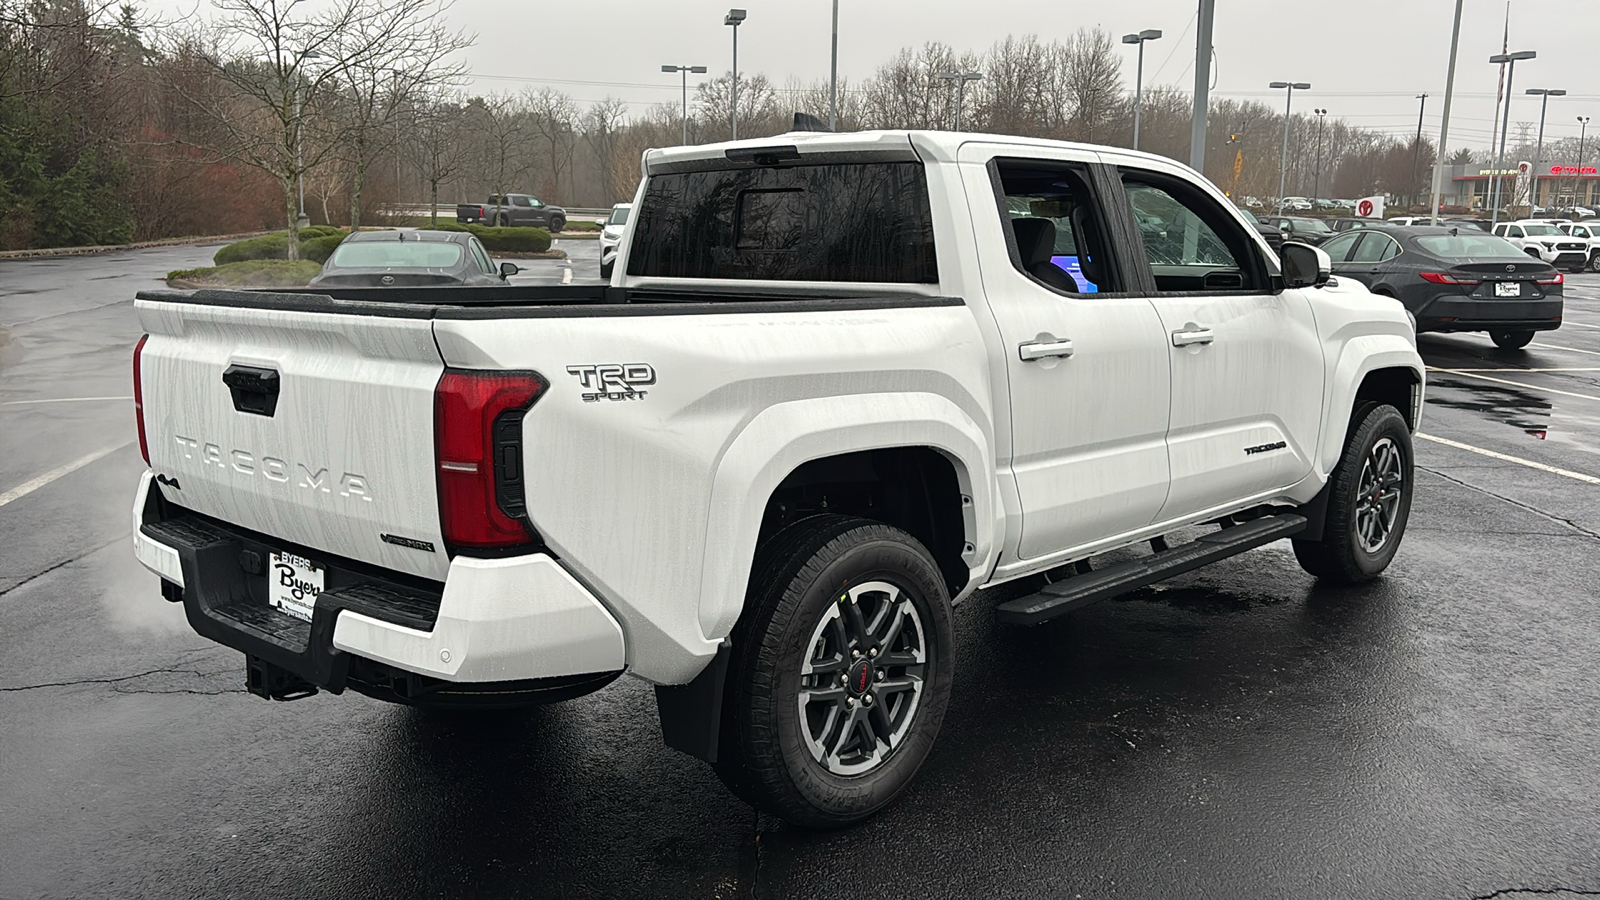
251, 273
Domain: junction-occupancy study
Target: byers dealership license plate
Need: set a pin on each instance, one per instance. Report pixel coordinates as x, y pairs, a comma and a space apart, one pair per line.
1507, 289
293, 585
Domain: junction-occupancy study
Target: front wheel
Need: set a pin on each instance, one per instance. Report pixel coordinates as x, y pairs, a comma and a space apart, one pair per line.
556, 224
1594, 263
841, 672
1369, 500
1511, 340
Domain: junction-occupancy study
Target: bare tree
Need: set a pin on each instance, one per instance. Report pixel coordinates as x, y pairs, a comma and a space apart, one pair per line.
502, 130
435, 146
553, 116
601, 125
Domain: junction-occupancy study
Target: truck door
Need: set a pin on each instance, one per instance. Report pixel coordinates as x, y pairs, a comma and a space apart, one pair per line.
1246, 361
1085, 361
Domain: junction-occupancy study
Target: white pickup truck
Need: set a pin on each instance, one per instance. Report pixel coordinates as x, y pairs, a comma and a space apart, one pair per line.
838, 384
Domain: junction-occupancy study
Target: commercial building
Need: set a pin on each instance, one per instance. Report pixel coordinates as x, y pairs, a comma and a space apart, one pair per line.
1561, 185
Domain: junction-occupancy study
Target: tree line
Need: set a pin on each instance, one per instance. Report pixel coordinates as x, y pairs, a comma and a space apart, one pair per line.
116, 127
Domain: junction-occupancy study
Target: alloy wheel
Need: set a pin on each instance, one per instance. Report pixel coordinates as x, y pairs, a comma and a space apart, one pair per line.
1379, 492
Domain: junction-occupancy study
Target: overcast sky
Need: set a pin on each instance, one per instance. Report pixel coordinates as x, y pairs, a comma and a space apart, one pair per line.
1365, 59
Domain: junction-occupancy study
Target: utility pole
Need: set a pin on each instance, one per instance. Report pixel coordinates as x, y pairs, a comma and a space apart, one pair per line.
1288, 109
1511, 73
734, 18
1444, 125
1538, 153
1316, 175
698, 70
1202, 85
833, 74
1416, 152
1149, 34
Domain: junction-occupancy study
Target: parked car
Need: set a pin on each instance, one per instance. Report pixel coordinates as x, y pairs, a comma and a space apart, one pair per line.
1589, 232
1351, 223
1546, 242
1454, 279
1480, 224
513, 210
836, 386
611, 236
411, 259
1295, 204
1300, 228
1269, 233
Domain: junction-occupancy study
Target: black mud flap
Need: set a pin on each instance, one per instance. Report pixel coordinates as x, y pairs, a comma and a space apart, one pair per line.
691, 714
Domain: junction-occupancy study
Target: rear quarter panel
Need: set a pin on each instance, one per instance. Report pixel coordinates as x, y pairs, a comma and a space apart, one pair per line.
655, 501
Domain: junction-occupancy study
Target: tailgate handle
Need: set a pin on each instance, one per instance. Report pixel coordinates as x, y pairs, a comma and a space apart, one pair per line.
254, 389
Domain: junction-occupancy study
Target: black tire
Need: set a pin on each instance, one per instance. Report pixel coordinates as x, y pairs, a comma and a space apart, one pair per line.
1594, 262
501, 221
800, 600
1345, 555
1511, 340
605, 270
556, 224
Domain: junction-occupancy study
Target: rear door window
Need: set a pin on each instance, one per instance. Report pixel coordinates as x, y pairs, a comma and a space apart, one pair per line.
861, 222
1375, 247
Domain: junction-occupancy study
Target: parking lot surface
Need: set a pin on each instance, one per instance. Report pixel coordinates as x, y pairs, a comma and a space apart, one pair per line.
1236, 732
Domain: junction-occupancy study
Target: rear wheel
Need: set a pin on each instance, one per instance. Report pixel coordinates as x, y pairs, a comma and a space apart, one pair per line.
1511, 340
841, 672
557, 223
501, 221
1369, 500
1594, 261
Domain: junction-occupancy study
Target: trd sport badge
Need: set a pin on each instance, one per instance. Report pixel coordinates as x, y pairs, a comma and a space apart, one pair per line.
614, 381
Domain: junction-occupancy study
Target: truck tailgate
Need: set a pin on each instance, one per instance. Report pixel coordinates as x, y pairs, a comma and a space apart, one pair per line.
322, 434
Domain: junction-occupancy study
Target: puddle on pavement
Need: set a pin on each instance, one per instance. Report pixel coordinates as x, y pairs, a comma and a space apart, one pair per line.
1529, 412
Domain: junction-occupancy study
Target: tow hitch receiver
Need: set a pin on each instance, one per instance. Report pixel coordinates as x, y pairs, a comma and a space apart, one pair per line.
275, 682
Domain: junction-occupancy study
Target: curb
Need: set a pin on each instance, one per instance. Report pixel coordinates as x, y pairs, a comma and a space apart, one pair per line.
49, 252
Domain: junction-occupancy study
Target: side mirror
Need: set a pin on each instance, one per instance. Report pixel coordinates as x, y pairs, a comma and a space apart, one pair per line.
1304, 265
509, 269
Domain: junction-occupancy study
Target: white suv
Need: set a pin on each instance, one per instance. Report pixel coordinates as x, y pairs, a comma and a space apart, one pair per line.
1546, 242
1590, 232
611, 237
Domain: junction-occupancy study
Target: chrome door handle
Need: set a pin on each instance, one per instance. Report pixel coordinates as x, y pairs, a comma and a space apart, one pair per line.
1197, 336
1044, 350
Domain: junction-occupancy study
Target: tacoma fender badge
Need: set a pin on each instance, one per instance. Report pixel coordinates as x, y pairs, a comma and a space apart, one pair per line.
1264, 448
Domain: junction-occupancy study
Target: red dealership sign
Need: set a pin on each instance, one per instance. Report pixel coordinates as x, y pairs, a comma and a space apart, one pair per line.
1573, 170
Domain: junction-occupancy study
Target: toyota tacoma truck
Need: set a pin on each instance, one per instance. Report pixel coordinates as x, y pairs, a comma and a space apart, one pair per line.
837, 385
513, 210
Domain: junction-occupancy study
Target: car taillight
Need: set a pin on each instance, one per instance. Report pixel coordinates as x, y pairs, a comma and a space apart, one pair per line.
138, 398
1447, 278
1552, 278
478, 449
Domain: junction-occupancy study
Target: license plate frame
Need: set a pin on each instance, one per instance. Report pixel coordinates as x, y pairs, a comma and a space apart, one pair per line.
1508, 289
293, 584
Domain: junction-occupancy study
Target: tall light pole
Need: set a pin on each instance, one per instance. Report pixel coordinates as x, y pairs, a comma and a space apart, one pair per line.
734, 18
698, 70
1444, 124
299, 156
1577, 180
1416, 152
961, 79
1149, 34
1202, 84
1499, 157
1538, 152
1316, 174
833, 74
1288, 108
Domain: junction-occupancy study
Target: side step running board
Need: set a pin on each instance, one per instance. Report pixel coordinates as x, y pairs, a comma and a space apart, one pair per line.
1082, 590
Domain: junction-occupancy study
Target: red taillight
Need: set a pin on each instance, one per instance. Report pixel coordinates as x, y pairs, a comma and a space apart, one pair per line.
1553, 278
138, 398
478, 439
1447, 278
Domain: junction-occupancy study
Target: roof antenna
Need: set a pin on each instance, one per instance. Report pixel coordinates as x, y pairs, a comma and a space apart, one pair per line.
808, 122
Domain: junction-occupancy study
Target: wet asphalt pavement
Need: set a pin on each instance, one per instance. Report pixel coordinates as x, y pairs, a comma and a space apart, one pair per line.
1237, 732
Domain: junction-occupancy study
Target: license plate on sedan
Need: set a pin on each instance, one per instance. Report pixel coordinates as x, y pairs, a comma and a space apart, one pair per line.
1507, 289
293, 585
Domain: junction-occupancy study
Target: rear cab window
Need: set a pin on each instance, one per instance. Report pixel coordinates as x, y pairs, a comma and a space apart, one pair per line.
1054, 233
866, 222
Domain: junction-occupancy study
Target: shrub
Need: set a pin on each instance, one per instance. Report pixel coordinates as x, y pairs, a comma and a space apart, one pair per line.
268, 246
316, 231
582, 226
252, 273
446, 226
513, 240
318, 249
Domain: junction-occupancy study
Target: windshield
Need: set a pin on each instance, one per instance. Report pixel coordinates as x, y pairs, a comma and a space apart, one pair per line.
395, 255
619, 215
1539, 229
1311, 225
1462, 246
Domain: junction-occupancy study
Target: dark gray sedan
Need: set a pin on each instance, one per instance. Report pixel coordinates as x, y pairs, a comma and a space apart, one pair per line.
1454, 279
411, 259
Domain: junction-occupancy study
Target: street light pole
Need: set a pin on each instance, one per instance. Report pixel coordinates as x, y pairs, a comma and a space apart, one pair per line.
734, 18
1416, 151
698, 70
1577, 180
961, 79
1316, 174
1444, 124
299, 155
1149, 34
833, 74
1499, 157
1202, 84
1538, 152
1288, 108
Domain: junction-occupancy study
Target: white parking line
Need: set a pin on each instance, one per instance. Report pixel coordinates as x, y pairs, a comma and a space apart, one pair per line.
1566, 473
566, 275
33, 484
1523, 369
1521, 384
60, 400
1568, 349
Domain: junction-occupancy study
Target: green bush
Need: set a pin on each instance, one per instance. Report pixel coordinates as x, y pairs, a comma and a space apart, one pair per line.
582, 226
316, 231
446, 226
318, 249
276, 245
513, 240
252, 273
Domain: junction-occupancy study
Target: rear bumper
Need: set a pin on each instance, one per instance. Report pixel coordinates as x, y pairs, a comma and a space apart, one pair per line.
1463, 314
493, 621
